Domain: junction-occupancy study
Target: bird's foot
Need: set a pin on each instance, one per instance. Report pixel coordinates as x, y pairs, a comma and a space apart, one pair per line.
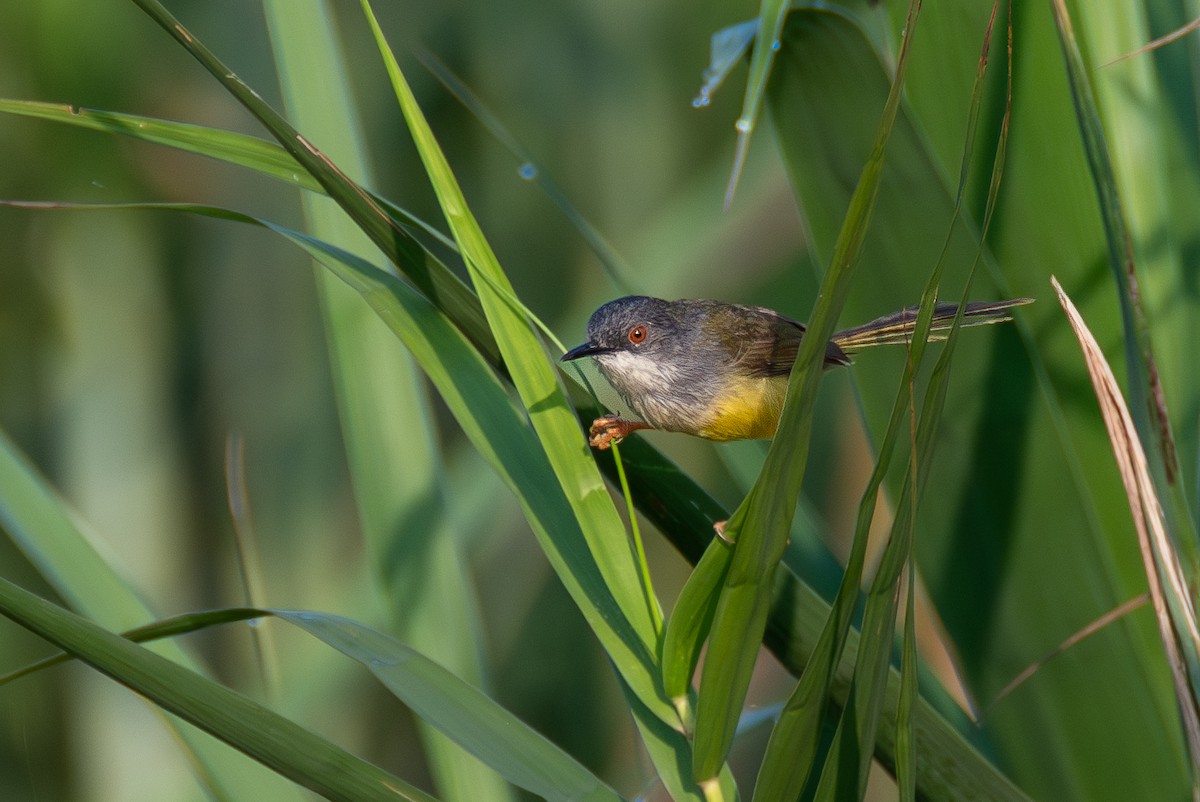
609, 430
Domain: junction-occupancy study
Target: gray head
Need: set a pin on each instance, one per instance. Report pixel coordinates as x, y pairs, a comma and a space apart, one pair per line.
641, 345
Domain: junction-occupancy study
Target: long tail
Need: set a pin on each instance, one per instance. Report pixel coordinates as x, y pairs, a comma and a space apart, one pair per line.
897, 328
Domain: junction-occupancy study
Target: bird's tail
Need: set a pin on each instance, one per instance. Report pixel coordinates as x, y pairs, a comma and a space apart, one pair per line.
897, 328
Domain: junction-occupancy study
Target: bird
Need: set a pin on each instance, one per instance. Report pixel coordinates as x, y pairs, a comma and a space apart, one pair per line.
720, 370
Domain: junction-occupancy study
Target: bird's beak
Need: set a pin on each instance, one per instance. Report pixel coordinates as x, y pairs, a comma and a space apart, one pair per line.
587, 349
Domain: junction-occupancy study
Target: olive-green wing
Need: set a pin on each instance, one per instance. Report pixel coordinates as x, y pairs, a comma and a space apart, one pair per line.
768, 342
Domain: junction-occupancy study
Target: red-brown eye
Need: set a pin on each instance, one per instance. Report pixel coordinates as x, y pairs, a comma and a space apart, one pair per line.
637, 334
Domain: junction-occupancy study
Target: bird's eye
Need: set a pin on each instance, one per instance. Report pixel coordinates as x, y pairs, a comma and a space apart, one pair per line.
637, 334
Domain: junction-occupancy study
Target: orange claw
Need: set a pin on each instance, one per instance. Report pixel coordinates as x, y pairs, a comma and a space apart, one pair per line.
611, 429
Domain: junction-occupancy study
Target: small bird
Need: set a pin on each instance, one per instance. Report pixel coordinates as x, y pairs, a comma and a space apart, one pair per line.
719, 370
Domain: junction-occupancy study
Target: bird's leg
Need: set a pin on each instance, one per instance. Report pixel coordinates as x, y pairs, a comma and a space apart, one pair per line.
612, 429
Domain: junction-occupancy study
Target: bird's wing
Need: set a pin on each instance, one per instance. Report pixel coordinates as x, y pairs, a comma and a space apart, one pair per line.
771, 342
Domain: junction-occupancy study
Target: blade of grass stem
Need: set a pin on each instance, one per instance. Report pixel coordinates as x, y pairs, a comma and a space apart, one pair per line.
243, 150
761, 523
906, 742
553, 420
771, 16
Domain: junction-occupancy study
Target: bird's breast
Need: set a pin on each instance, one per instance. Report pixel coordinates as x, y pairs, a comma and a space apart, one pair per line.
746, 408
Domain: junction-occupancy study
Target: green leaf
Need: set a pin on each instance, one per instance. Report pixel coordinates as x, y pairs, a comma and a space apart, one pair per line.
761, 524
691, 619
464, 713
269, 738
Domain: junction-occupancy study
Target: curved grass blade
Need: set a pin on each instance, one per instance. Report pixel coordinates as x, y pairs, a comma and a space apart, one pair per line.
1170, 592
848, 762
488, 731
455, 707
242, 150
501, 433
269, 738
760, 525
479, 402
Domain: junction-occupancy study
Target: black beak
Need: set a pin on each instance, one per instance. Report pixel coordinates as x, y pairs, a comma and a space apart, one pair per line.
587, 349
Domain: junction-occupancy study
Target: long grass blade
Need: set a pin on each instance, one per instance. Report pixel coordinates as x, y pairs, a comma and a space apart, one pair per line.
846, 769
243, 150
771, 16
488, 731
761, 523
269, 738
1148, 399
1170, 592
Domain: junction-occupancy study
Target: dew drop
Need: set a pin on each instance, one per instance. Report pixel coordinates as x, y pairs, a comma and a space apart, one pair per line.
744, 125
775, 45
528, 171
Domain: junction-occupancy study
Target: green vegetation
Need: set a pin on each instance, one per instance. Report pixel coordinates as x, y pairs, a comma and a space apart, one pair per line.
379, 463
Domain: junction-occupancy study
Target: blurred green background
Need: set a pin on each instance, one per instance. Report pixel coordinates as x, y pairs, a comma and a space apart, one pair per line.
135, 345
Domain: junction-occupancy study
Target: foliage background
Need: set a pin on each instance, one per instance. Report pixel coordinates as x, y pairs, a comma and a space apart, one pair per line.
133, 345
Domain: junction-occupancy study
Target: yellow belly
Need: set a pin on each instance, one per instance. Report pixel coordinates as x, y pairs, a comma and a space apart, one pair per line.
747, 409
